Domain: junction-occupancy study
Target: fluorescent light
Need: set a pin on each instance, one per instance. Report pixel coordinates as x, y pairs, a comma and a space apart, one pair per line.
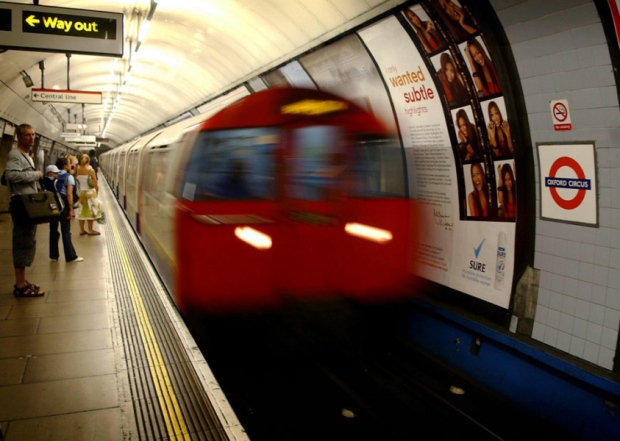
367, 232
144, 30
253, 237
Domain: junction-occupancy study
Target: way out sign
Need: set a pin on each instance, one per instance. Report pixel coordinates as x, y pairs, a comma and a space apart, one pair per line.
568, 187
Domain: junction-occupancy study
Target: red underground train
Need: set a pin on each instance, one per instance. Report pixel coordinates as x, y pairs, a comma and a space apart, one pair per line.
287, 194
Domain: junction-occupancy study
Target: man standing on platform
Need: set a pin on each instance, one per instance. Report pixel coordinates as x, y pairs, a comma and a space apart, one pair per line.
94, 163
22, 178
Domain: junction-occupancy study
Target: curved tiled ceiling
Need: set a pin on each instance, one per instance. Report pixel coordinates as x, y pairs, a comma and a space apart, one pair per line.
195, 50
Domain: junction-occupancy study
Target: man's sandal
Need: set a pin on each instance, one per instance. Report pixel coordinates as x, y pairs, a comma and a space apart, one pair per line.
33, 286
27, 291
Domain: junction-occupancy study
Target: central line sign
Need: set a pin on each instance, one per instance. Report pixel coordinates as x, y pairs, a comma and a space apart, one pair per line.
65, 96
50, 29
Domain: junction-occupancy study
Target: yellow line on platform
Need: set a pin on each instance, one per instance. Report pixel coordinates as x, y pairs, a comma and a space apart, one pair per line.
173, 417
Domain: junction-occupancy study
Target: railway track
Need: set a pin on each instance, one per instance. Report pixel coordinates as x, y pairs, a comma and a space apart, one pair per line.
342, 375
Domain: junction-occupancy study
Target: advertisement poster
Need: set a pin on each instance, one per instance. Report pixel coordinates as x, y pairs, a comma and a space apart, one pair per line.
424, 133
455, 130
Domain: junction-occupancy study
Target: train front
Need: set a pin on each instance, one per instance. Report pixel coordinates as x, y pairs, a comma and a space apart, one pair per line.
290, 194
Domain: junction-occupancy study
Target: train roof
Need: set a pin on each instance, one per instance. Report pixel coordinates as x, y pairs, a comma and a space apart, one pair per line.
293, 106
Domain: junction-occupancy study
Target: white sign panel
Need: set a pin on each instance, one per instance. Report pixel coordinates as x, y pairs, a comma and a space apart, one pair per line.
568, 187
83, 138
66, 96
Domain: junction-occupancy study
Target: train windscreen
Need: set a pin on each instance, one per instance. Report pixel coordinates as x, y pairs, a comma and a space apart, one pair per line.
320, 163
234, 164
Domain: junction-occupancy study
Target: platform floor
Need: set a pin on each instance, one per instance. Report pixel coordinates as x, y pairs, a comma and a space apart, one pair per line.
103, 355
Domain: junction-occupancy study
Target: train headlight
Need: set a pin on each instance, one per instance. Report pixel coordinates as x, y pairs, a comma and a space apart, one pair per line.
367, 232
253, 237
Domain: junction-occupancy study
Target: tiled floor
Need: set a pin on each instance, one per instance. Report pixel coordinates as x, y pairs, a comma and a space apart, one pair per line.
58, 371
66, 368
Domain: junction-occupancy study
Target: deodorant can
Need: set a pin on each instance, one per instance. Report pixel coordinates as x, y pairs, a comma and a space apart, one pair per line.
501, 261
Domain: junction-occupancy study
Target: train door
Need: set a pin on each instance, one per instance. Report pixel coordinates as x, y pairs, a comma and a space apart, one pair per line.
226, 219
312, 211
345, 216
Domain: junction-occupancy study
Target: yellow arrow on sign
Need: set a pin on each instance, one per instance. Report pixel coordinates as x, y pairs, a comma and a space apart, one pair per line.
32, 20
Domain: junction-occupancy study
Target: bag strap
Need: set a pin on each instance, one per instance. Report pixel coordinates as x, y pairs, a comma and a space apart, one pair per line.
59, 199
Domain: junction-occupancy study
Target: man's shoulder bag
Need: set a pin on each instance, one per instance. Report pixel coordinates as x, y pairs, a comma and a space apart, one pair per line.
34, 208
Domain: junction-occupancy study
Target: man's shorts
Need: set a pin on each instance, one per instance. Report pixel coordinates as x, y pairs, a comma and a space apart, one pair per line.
24, 245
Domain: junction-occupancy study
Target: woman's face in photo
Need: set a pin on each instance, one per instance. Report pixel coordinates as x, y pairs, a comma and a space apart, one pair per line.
449, 72
450, 9
477, 55
477, 177
496, 117
414, 19
508, 181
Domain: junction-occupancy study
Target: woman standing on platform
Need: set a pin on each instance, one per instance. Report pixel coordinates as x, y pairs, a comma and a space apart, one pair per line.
90, 207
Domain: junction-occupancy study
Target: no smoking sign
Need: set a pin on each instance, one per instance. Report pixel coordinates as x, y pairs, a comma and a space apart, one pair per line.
568, 183
560, 115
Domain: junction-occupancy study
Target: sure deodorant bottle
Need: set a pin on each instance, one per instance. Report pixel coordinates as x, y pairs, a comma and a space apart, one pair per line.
501, 261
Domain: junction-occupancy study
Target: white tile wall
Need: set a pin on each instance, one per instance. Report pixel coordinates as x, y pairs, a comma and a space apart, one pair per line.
561, 53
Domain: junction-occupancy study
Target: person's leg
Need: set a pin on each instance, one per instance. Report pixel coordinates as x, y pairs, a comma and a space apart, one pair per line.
67, 244
82, 230
24, 249
54, 236
90, 229
20, 277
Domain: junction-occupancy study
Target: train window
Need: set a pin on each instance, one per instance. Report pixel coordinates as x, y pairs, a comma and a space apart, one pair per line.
232, 164
132, 167
324, 159
154, 181
316, 163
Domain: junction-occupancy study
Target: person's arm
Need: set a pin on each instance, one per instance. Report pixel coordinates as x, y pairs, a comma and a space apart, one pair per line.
463, 22
506, 128
94, 175
474, 72
69, 188
17, 174
500, 192
491, 133
471, 153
